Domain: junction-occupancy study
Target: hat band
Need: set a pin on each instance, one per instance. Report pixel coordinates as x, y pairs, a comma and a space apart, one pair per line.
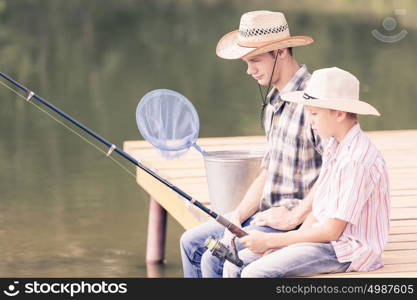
260, 44
262, 31
307, 96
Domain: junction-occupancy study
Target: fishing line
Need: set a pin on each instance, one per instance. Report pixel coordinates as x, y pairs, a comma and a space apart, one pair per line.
27, 99
217, 248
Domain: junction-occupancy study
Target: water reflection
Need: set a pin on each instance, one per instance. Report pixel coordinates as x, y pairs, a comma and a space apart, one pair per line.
65, 209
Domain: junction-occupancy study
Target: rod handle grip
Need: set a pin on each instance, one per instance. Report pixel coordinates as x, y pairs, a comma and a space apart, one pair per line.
236, 230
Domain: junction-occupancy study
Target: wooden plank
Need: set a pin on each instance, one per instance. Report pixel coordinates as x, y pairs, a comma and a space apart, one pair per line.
403, 269
410, 237
402, 213
411, 274
404, 192
401, 246
402, 229
404, 201
412, 223
399, 256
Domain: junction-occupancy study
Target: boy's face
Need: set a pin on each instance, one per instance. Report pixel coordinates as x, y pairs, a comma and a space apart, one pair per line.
322, 120
260, 68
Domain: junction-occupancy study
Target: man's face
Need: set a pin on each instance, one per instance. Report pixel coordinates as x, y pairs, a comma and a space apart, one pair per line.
260, 68
322, 121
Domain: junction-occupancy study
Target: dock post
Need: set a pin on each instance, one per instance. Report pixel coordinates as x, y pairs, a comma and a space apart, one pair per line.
157, 223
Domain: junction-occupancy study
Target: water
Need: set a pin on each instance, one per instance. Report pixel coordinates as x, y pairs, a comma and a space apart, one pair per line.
68, 211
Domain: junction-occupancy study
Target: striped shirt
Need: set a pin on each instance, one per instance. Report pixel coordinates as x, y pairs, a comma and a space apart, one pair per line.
293, 159
353, 186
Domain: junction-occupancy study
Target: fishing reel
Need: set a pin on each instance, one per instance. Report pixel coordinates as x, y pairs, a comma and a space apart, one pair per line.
222, 251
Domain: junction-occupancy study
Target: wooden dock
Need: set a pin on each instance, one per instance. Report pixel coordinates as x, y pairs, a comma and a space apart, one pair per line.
188, 173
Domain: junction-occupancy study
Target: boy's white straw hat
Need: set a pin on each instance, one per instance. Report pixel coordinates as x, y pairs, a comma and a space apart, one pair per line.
259, 32
332, 88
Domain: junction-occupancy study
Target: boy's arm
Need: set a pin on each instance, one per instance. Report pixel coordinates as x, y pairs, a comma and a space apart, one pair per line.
308, 222
328, 231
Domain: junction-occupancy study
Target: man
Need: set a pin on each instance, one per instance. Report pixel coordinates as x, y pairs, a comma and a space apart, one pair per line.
292, 163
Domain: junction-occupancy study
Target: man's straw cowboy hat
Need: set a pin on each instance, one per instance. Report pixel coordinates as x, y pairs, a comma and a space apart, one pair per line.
332, 88
259, 32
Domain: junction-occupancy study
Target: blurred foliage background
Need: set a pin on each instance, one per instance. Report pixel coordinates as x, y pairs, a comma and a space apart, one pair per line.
65, 210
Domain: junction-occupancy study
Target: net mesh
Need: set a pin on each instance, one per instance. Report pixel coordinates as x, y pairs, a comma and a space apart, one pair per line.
168, 121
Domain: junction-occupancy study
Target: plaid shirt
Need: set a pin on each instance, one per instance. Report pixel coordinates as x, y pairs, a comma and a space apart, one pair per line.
293, 159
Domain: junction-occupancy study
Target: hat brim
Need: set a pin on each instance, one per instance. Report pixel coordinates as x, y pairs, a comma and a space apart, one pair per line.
228, 47
348, 105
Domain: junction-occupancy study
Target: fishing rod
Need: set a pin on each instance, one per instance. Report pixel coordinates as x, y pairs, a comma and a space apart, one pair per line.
211, 243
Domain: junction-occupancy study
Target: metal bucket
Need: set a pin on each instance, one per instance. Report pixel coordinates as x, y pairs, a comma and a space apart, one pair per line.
229, 175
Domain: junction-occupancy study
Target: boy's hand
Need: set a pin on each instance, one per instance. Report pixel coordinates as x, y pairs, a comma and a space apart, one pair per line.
276, 217
256, 241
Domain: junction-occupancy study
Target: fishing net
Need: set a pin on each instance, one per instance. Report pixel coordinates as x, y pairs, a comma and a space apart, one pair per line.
168, 121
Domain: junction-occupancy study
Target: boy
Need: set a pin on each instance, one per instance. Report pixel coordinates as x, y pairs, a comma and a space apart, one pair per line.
349, 223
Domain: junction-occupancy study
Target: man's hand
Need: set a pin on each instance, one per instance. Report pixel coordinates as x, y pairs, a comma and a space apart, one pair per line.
278, 218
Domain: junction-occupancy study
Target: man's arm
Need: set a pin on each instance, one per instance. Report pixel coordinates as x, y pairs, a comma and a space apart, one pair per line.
249, 204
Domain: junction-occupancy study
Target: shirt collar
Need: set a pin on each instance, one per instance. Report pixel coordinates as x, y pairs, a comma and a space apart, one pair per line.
334, 148
293, 85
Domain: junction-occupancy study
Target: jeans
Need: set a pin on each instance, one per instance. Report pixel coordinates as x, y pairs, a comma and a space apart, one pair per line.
196, 260
301, 259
